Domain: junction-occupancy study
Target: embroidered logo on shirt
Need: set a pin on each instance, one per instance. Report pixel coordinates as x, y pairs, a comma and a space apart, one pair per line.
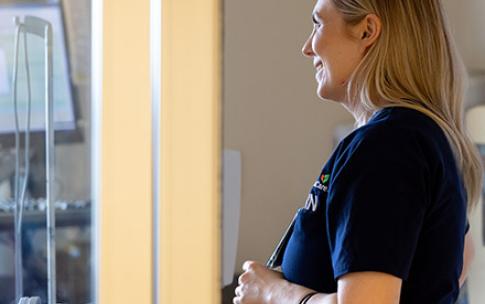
321, 184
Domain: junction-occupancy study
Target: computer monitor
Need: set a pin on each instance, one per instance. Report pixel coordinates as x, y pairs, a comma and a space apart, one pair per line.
64, 104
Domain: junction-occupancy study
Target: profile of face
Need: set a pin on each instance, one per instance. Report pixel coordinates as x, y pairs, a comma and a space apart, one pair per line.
337, 48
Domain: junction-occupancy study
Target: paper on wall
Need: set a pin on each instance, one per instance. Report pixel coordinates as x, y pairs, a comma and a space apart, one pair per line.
4, 83
231, 200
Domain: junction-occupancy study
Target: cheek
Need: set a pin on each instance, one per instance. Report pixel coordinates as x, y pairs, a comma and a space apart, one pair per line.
351, 57
329, 57
343, 65
332, 70
339, 56
320, 43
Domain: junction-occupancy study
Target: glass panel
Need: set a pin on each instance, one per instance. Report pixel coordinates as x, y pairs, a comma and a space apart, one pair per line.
68, 187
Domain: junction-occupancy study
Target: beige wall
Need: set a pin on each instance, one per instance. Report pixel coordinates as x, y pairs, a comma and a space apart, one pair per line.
468, 24
272, 115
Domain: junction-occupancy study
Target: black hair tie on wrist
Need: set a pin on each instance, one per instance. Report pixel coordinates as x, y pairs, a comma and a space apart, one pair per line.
307, 297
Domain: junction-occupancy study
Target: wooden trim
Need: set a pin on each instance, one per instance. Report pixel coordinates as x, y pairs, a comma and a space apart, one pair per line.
190, 188
125, 189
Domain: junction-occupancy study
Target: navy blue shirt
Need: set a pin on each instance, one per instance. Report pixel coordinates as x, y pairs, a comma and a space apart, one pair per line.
389, 199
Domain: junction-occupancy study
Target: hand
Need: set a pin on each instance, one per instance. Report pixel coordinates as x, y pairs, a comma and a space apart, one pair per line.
258, 284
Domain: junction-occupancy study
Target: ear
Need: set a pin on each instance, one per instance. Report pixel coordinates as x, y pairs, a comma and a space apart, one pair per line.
369, 29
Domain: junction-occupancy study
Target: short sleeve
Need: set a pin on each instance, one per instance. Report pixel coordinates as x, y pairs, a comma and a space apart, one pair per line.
467, 227
376, 202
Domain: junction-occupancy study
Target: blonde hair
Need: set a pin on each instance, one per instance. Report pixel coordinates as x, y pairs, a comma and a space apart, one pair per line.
414, 63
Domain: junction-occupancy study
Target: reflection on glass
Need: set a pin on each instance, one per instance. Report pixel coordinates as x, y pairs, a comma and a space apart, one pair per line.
70, 20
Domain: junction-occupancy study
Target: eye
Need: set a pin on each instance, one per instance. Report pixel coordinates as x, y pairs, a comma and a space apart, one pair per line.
316, 24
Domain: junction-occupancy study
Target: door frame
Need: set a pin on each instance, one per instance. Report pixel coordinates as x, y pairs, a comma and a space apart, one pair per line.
157, 151
121, 151
190, 158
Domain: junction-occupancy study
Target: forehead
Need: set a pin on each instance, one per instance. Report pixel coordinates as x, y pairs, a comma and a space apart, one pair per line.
324, 8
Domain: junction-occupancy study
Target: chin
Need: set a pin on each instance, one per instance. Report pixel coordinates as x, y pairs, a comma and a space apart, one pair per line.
328, 94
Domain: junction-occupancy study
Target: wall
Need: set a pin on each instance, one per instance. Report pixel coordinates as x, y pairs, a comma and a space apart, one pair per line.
272, 115
467, 24
466, 19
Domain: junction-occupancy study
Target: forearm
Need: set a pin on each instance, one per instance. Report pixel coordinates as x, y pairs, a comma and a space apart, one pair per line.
468, 255
292, 293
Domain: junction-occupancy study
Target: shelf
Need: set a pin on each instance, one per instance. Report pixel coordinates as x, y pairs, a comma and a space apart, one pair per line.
37, 219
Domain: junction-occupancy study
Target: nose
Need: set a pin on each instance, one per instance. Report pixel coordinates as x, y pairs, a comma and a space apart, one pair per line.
307, 48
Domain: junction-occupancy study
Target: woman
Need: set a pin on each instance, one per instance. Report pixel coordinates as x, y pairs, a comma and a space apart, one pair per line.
385, 221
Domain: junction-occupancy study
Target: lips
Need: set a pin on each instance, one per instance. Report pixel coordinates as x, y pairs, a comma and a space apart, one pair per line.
318, 65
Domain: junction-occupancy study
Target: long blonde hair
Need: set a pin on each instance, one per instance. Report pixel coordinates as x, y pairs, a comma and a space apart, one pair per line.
414, 63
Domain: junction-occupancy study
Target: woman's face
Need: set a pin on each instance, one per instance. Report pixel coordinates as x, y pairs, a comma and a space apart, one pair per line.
336, 50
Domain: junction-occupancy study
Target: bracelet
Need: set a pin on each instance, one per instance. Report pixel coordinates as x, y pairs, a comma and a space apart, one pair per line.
307, 297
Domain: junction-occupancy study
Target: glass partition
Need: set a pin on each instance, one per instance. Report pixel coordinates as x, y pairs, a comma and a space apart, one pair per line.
37, 176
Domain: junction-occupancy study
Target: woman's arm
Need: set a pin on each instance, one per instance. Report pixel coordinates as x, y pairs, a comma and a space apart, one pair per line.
373, 287
353, 288
258, 284
468, 255
364, 287
292, 293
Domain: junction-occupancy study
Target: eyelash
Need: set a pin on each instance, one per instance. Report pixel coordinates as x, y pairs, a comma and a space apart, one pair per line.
316, 24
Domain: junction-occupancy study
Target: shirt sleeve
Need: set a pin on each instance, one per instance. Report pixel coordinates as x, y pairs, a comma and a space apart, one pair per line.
376, 203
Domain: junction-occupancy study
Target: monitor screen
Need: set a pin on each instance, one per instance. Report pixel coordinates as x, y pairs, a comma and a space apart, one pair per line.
64, 116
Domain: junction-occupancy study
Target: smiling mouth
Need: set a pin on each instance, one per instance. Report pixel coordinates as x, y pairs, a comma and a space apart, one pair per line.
318, 66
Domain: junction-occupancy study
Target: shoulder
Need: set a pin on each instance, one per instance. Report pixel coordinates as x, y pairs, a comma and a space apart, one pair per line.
382, 142
397, 133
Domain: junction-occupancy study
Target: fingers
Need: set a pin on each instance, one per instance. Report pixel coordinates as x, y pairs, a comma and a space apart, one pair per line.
242, 278
248, 265
237, 299
237, 291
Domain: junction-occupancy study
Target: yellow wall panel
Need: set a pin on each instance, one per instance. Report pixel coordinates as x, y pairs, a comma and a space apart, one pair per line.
125, 202
190, 152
